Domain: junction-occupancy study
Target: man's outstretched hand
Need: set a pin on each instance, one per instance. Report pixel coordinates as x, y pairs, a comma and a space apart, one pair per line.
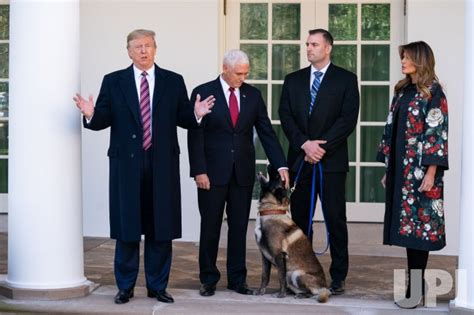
85, 106
202, 108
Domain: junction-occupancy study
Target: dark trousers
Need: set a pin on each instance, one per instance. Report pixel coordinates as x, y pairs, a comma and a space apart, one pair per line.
334, 205
157, 253
236, 200
417, 260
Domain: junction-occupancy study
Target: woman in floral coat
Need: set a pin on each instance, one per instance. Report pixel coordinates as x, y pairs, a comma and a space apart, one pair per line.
414, 148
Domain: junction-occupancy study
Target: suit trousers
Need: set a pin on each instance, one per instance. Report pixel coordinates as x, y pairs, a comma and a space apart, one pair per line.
157, 253
236, 200
334, 205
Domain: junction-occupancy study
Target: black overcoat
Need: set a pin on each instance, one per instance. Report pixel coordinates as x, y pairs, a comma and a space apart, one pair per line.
117, 107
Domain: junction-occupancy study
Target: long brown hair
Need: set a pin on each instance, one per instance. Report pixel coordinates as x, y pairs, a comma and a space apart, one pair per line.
423, 59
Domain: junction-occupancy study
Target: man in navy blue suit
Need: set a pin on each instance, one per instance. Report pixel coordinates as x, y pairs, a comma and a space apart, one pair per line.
222, 160
143, 104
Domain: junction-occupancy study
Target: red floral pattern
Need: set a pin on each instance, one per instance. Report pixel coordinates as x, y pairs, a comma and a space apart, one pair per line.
426, 143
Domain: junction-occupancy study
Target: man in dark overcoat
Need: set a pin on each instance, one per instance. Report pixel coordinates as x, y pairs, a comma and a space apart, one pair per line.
143, 104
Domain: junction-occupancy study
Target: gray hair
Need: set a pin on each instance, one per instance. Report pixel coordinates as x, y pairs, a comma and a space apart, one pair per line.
234, 57
139, 34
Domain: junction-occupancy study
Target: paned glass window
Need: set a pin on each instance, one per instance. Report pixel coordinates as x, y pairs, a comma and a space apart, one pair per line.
361, 34
271, 37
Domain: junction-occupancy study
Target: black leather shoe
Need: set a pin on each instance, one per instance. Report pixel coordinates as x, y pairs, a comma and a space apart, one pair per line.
241, 289
207, 289
337, 287
123, 296
161, 296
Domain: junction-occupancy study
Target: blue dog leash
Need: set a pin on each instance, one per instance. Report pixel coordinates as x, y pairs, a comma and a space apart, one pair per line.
312, 206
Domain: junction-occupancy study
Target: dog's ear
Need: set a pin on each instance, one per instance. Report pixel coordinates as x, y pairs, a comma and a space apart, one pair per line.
262, 179
272, 172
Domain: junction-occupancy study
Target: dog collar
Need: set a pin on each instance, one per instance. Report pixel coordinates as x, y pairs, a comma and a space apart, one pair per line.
271, 212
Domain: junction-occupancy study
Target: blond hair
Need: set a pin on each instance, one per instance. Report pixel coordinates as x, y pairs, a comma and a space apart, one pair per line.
140, 33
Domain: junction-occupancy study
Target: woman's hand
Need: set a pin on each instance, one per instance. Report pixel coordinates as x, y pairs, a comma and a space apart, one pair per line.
383, 181
428, 180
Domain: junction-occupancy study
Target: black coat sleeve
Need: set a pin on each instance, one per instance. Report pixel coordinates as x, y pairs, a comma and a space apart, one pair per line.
197, 157
102, 117
186, 116
268, 137
287, 117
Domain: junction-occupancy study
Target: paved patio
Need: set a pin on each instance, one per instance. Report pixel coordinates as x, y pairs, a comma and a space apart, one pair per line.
369, 286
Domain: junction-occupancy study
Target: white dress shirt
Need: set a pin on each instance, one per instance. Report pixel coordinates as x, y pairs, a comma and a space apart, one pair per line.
225, 88
313, 69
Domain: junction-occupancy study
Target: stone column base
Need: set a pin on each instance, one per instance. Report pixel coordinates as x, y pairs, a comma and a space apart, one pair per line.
47, 294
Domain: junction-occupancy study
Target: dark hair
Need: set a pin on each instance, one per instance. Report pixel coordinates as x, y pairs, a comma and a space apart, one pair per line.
422, 56
327, 36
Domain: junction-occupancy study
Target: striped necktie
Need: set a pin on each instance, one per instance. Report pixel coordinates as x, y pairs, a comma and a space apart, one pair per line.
145, 110
315, 88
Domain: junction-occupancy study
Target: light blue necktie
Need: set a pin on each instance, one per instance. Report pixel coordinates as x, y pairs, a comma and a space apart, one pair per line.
315, 88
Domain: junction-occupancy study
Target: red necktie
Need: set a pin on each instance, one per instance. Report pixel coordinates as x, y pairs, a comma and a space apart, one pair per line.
145, 111
233, 107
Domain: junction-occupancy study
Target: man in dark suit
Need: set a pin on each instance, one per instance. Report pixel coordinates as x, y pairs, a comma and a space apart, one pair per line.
222, 158
318, 111
143, 104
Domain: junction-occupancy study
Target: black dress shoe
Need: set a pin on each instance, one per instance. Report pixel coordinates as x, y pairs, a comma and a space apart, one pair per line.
337, 287
207, 289
241, 289
123, 296
161, 296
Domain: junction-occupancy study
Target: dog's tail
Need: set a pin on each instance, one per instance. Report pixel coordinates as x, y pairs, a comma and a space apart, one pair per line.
323, 295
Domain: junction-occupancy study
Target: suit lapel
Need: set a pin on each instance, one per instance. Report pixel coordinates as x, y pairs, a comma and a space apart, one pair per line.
129, 89
221, 103
159, 89
244, 106
305, 96
323, 89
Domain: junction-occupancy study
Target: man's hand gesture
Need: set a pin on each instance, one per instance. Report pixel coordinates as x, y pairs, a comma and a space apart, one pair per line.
85, 106
202, 108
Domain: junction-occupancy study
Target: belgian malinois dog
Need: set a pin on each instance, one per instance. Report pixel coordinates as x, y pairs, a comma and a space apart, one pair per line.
284, 245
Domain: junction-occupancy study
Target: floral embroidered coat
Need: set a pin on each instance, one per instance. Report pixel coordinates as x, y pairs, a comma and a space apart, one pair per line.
415, 136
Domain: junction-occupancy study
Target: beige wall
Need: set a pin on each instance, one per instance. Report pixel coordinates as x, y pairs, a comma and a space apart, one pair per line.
187, 36
440, 23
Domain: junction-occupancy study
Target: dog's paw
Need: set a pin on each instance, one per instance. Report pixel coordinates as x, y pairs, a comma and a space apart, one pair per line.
260, 291
279, 295
323, 295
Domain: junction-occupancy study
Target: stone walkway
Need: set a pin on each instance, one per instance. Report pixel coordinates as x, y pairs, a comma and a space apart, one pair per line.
369, 286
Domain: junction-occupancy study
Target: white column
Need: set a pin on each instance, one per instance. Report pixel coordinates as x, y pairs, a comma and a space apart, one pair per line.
45, 248
465, 281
